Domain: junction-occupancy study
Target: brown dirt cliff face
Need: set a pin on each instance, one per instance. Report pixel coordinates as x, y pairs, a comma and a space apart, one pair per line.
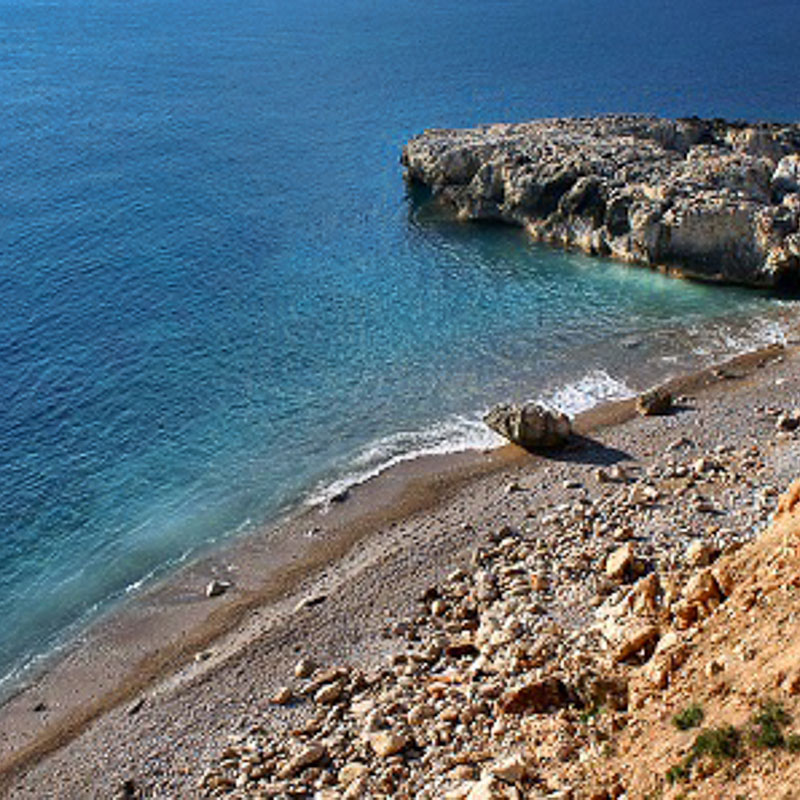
742, 659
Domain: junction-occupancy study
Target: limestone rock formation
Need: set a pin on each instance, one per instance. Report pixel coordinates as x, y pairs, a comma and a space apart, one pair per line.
707, 199
532, 426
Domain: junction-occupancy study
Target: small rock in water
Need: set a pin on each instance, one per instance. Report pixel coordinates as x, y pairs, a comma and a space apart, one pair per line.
216, 587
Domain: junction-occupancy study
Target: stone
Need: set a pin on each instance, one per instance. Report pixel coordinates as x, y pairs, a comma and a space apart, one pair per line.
357, 789
654, 403
788, 422
635, 639
685, 614
713, 667
329, 693
786, 178
282, 697
539, 582
330, 675
701, 587
620, 562
352, 771
532, 426
387, 743
311, 754
535, 698
461, 648
618, 473
486, 585
310, 601
724, 579
489, 788
419, 713
643, 597
699, 553
215, 588
669, 640
460, 790
511, 769
438, 608
304, 668
601, 475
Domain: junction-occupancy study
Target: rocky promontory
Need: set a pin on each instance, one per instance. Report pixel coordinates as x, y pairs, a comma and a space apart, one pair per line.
707, 199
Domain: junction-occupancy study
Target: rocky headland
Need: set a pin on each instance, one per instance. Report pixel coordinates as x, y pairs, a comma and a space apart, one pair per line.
706, 199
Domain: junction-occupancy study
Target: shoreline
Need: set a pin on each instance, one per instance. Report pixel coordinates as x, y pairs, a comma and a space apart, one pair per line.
198, 635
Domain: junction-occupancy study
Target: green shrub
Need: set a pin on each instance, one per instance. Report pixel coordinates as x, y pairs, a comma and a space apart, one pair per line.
690, 717
769, 722
719, 743
677, 772
793, 743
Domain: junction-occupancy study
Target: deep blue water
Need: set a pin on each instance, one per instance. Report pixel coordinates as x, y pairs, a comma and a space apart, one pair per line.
217, 299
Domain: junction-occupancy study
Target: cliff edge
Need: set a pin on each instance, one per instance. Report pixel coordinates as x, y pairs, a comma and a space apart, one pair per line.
706, 199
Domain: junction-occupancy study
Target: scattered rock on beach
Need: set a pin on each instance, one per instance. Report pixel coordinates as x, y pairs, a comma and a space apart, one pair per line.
532, 425
387, 743
619, 562
312, 753
305, 667
282, 697
789, 421
654, 403
311, 601
215, 588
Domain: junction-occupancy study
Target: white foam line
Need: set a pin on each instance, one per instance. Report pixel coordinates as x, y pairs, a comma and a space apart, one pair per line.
588, 391
455, 435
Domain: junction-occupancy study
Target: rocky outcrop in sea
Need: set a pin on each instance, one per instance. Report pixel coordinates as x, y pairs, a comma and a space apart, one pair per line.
707, 199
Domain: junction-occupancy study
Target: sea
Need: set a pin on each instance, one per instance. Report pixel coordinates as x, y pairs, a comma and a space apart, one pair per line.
220, 303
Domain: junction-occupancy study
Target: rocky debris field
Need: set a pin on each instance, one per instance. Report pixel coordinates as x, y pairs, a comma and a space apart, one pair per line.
538, 671
708, 199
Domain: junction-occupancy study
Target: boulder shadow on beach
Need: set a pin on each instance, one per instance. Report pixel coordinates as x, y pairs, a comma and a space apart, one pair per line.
585, 450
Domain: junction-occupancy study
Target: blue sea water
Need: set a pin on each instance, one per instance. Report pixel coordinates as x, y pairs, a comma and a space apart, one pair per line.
218, 299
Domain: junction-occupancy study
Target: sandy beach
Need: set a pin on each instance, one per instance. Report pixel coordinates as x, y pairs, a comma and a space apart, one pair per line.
148, 697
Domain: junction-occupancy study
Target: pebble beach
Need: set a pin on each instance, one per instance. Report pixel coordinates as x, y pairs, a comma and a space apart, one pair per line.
390, 656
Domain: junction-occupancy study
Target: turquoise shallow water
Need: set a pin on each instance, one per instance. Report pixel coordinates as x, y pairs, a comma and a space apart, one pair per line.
218, 301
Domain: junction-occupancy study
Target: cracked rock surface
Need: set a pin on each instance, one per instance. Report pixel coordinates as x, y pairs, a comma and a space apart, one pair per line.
706, 199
